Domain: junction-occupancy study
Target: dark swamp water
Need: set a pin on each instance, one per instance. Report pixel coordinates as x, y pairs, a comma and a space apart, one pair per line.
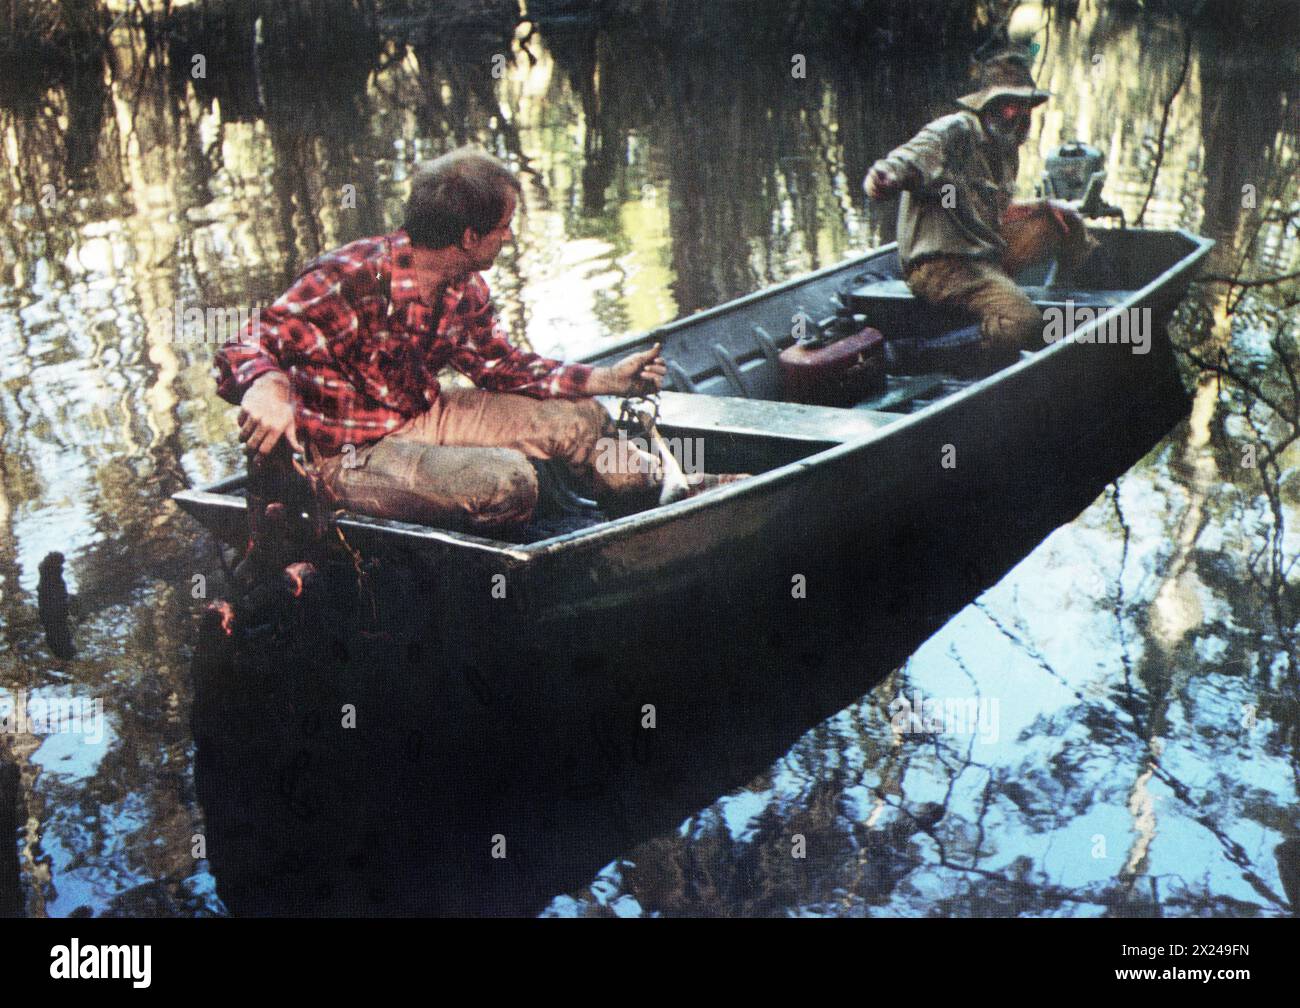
1137, 671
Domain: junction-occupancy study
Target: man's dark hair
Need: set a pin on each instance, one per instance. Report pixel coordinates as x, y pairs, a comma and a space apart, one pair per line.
463, 189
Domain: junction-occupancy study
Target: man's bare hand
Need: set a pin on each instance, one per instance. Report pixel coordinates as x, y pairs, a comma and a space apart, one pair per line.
881, 183
266, 415
638, 372
1067, 218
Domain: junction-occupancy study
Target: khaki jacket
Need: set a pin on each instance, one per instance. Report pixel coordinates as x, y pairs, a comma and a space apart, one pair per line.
966, 218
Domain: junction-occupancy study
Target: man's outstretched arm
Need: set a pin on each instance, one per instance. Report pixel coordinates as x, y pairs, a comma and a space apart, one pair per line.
487, 358
921, 162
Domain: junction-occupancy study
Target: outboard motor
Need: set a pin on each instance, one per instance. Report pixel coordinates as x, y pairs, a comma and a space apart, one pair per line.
1075, 173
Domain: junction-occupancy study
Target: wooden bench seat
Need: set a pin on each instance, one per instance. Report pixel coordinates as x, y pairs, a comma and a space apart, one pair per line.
763, 417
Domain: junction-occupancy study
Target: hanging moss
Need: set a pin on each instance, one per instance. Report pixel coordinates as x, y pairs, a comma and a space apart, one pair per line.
45, 45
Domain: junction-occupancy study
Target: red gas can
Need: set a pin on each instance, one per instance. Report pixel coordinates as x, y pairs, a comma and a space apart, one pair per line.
835, 368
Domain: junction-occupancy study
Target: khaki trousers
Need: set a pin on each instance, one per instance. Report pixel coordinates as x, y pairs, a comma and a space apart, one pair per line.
465, 462
1008, 319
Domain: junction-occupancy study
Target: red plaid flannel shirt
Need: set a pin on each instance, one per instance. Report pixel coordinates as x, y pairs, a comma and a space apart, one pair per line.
362, 351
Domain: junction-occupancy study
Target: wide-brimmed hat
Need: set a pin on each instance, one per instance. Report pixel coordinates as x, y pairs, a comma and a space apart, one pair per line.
1005, 75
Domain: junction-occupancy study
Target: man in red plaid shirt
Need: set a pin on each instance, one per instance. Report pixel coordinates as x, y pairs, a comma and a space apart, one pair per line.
348, 360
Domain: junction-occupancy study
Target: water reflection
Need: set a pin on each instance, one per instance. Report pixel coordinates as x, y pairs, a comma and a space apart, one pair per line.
1143, 657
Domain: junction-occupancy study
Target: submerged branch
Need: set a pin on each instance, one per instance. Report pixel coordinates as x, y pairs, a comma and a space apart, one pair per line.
1240, 282
1164, 125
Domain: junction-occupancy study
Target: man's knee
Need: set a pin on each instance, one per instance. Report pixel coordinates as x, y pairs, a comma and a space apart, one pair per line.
950, 281
1012, 325
574, 426
926, 282
505, 491
592, 419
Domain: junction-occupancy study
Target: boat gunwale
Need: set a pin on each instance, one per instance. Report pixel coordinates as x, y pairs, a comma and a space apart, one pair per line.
596, 535
803, 279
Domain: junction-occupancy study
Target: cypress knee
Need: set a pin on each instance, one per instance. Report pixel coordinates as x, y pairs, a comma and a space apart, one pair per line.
10, 889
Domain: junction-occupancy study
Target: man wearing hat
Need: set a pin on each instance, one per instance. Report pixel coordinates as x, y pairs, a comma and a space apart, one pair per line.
961, 239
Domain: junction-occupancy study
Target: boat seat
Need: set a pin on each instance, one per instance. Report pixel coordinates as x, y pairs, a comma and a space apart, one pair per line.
763, 417
901, 392
891, 307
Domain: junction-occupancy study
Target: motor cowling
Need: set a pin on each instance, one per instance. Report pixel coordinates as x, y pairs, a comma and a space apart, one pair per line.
1075, 173
1070, 167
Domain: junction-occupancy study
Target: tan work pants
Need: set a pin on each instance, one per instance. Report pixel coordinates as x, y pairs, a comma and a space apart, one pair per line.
1008, 319
464, 462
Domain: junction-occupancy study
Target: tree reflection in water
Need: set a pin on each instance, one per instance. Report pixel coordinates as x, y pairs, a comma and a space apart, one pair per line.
1144, 656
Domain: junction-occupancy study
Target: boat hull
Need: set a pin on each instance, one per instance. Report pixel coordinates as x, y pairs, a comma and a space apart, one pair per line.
863, 510
506, 691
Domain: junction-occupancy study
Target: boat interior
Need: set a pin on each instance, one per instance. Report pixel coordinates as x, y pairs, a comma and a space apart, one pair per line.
725, 382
